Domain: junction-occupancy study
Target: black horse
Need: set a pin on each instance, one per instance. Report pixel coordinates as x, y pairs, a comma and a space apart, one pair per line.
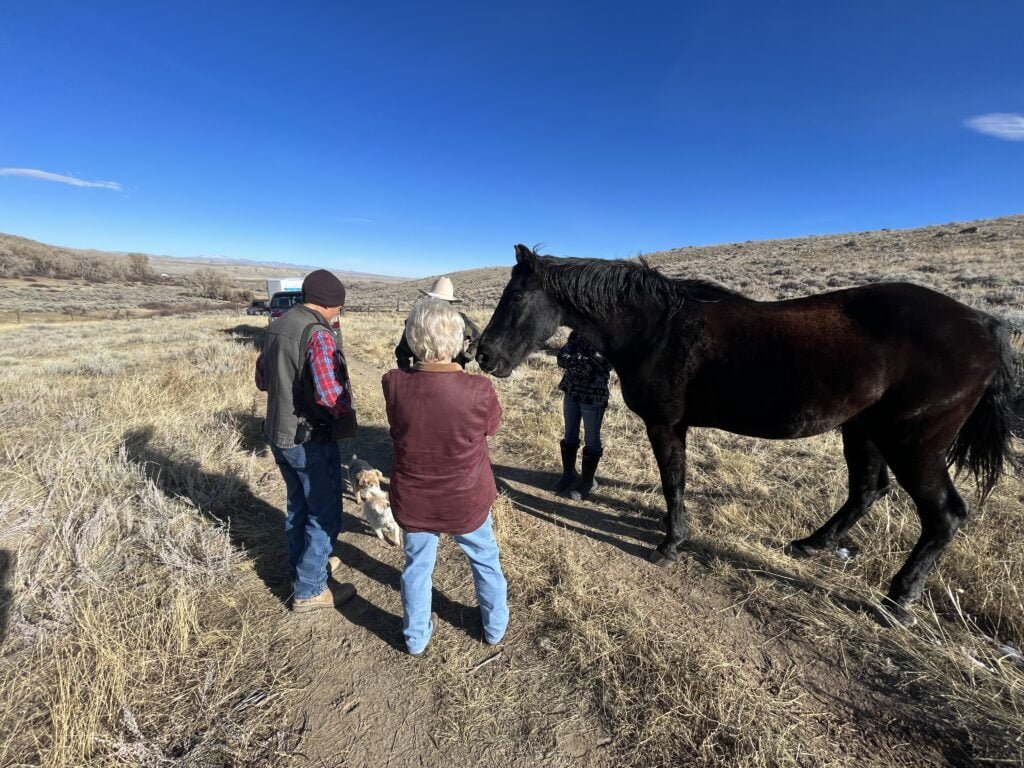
915, 380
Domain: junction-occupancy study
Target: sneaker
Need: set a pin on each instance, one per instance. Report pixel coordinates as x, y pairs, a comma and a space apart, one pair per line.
333, 565
433, 629
333, 596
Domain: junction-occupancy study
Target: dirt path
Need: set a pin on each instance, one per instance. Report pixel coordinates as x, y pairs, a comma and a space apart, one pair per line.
367, 703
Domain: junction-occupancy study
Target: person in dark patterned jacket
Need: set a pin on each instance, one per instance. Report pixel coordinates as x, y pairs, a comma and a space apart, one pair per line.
585, 384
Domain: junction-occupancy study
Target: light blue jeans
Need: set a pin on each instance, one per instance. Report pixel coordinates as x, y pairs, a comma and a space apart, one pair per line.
312, 475
491, 588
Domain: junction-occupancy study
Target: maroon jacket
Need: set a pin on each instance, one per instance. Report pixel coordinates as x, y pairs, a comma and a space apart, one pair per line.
441, 417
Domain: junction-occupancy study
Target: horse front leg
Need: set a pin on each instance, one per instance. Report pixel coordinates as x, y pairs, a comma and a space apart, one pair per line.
669, 446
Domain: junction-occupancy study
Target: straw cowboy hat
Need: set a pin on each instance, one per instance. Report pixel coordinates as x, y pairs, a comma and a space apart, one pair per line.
442, 289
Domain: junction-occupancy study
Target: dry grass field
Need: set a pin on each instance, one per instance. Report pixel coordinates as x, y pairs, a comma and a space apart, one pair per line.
143, 572
46, 283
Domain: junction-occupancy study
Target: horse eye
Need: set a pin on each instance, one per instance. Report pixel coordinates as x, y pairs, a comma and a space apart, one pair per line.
517, 295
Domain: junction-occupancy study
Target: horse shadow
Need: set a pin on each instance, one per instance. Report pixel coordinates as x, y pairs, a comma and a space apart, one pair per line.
6, 595
637, 535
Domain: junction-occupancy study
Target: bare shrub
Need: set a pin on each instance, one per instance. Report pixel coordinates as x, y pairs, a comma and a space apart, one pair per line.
139, 267
211, 283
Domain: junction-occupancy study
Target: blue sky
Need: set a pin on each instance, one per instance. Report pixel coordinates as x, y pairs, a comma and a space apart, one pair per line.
419, 138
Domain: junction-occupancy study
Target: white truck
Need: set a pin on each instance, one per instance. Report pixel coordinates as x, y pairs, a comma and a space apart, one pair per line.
282, 284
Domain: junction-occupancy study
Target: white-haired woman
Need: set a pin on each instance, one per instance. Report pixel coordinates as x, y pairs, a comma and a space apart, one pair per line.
441, 479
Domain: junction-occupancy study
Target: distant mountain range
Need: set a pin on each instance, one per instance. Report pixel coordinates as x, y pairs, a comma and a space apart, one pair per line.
295, 269
241, 269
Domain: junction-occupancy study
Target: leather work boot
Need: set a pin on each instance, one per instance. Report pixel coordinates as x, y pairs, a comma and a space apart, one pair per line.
333, 565
333, 596
587, 484
569, 475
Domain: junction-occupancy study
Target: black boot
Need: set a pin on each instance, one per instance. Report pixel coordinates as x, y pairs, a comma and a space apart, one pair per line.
569, 475
587, 484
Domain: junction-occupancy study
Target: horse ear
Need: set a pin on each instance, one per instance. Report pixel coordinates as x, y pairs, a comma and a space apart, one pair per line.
525, 256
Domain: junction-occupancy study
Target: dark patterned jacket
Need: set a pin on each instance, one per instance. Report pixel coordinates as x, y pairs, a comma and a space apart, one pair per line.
586, 372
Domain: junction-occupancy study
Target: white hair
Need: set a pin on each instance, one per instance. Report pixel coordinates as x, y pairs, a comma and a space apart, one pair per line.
435, 331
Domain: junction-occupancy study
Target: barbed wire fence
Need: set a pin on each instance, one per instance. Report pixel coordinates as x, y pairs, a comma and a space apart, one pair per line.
19, 315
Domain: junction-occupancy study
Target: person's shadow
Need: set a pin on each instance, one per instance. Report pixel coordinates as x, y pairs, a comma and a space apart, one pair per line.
633, 534
257, 528
6, 595
254, 526
248, 335
385, 625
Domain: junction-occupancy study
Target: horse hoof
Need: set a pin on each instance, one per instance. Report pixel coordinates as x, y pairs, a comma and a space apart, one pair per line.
892, 615
657, 558
800, 549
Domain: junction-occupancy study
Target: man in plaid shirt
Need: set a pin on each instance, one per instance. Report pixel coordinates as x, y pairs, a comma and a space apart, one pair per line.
320, 354
309, 404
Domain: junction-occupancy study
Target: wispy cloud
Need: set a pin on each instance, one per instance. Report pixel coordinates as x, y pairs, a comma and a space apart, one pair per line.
1002, 125
32, 173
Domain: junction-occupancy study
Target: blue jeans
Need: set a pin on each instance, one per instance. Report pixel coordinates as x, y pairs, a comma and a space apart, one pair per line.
312, 475
491, 588
591, 415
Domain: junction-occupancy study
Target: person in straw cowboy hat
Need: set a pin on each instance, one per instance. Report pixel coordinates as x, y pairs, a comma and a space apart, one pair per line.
444, 290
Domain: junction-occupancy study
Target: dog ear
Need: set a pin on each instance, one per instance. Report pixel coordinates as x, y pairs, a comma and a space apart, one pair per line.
379, 475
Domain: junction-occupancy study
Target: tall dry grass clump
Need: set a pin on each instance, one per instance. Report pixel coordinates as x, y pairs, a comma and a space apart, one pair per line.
136, 630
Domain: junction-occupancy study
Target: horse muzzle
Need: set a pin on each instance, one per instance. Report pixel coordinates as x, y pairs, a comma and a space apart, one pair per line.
493, 365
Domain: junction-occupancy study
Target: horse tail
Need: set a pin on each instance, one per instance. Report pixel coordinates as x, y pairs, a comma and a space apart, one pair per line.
983, 443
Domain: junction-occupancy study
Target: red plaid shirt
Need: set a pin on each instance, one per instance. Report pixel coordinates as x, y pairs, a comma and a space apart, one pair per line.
330, 393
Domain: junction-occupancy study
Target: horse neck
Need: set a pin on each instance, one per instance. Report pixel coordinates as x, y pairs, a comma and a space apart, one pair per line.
622, 338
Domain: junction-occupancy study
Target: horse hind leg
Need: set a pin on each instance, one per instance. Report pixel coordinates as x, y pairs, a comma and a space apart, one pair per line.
868, 481
942, 511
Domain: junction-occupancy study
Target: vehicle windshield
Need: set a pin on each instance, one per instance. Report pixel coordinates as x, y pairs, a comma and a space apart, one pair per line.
285, 300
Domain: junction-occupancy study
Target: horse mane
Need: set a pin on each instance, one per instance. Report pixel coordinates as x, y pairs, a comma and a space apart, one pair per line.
600, 287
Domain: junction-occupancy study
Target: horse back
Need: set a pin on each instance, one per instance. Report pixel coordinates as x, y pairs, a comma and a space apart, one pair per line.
803, 366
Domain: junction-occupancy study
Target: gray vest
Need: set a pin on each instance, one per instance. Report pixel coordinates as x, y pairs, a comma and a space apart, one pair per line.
283, 362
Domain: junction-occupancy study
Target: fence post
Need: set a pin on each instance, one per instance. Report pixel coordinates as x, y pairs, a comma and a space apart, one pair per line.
18, 312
